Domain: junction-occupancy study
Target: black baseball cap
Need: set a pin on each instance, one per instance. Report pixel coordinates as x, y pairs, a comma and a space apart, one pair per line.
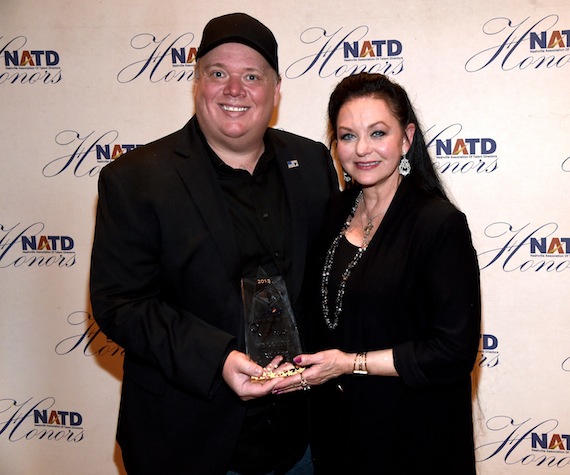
239, 28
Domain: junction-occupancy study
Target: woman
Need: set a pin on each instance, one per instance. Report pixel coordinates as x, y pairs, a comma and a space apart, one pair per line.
399, 301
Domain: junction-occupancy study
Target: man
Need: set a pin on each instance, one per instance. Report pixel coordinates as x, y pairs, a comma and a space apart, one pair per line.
179, 223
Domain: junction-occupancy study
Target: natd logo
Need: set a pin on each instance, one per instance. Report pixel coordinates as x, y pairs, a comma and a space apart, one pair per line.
554, 40
29, 245
456, 152
88, 153
107, 152
183, 56
26, 65
347, 51
47, 244
371, 49
526, 248
161, 59
57, 418
526, 443
38, 419
527, 44
549, 246
550, 442
489, 354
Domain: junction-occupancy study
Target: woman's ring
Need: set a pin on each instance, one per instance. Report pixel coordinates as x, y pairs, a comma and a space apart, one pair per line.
304, 383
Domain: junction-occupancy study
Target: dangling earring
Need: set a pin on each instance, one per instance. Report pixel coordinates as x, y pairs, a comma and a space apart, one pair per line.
405, 167
346, 177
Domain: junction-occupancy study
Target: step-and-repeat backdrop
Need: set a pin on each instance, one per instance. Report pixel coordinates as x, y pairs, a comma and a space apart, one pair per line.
83, 82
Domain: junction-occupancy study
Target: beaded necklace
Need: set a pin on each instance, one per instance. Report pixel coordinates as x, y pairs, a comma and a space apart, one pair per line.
329, 259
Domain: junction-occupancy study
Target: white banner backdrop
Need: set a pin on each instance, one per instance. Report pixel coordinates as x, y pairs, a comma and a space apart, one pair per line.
83, 82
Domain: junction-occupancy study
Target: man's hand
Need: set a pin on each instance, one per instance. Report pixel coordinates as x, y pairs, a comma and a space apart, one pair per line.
237, 372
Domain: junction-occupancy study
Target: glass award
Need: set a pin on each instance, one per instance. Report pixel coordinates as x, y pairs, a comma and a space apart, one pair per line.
270, 327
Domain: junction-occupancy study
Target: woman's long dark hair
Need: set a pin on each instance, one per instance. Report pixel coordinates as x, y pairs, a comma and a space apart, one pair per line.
380, 87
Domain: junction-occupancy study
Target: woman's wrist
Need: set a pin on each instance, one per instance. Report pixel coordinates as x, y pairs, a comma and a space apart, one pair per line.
359, 365
348, 363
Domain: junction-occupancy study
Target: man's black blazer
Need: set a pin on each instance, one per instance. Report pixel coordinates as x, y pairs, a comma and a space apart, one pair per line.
165, 285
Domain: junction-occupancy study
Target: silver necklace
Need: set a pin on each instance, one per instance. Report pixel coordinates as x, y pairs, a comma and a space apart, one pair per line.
329, 259
370, 219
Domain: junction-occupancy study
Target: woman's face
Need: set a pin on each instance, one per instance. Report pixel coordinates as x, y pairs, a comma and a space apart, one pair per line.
370, 141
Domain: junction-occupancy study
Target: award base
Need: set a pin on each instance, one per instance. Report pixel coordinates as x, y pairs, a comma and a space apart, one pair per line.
279, 374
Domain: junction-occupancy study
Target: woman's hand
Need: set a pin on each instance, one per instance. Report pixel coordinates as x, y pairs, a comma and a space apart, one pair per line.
321, 367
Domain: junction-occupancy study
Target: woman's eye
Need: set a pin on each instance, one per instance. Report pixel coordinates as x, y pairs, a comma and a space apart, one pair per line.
378, 133
346, 136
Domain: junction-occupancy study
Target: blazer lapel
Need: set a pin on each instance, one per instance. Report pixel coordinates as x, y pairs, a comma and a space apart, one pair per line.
200, 178
291, 170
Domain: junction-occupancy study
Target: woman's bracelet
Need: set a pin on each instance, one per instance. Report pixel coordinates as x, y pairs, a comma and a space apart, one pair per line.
360, 364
